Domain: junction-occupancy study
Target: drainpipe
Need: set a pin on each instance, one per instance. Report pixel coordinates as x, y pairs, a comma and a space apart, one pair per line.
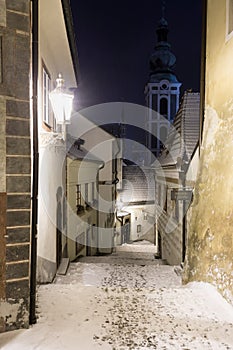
184, 232
116, 180
109, 182
118, 152
32, 311
97, 207
116, 172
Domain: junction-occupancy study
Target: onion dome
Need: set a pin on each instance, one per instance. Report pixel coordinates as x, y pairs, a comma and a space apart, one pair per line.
162, 60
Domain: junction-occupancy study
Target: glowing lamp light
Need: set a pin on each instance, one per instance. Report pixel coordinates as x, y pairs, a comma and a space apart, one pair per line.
62, 102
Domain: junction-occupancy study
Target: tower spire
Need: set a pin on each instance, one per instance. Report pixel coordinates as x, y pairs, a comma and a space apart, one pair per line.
163, 88
163, 8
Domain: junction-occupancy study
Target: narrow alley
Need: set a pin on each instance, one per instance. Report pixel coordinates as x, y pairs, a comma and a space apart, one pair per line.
128, 300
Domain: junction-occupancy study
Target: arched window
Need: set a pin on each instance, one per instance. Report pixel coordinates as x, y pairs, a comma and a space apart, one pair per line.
163, 107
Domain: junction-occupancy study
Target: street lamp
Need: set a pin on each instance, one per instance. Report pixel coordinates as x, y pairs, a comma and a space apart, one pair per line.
62, 102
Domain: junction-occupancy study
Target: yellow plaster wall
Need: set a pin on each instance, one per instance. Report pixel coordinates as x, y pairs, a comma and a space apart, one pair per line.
210, 248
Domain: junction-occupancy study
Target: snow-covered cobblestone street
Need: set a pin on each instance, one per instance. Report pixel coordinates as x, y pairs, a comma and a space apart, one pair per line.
122, 302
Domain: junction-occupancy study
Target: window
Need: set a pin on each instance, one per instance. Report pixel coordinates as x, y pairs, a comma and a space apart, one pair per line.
47, 110
165, 201
164, 86
139, 228
93, 190
163, 107
86, 193
229, 17
87, 202
159, 194
78, 195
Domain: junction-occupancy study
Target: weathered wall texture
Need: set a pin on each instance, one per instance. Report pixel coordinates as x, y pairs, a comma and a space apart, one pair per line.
210, 249
15, 163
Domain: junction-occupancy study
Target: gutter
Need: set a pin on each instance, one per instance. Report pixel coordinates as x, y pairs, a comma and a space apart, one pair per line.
115, 180
35, 163
112, 182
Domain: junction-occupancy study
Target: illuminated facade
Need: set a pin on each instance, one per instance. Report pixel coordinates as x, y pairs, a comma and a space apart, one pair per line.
33, 47
54, 37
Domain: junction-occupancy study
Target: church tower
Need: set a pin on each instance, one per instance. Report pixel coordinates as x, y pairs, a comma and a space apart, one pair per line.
162, 91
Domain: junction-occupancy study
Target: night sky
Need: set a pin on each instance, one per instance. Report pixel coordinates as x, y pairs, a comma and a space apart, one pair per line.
115, 40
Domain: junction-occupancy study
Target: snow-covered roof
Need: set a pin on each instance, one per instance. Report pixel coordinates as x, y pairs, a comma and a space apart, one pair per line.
184, 133
138, 184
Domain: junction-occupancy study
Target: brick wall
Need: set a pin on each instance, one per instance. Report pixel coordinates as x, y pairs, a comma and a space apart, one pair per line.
15, 163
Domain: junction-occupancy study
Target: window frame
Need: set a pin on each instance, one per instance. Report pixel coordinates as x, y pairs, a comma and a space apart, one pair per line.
159, 194
93, 191
78, 195
47, 112
166, 198
86, 193
163, 106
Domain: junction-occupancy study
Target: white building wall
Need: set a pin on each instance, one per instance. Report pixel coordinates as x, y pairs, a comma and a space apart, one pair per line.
51, 191
54, 53
105, 147
80, 225
142, 222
